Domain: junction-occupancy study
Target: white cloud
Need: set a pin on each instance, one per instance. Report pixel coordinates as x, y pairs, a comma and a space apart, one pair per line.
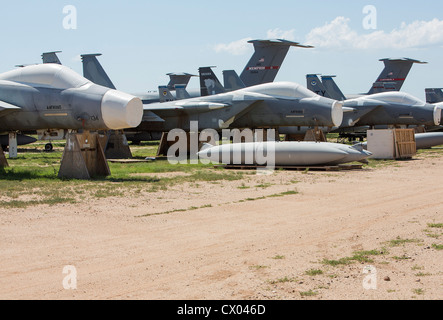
277, 33
235, 48
242, 46
338, 34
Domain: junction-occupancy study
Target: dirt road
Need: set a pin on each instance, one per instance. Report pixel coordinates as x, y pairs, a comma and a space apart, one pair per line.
290, 235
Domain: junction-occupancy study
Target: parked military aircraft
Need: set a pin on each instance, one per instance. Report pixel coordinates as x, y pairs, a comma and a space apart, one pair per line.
52, 96
263, 67
391, 78
266, 105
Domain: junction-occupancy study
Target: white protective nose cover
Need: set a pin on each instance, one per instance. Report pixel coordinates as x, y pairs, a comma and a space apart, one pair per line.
337, 113
121, 110
437, 114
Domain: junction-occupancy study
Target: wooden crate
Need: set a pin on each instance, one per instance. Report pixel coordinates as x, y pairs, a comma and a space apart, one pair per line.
392, 144
405, 145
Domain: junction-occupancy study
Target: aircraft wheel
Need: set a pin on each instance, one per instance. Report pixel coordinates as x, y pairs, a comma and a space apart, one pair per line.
49, 147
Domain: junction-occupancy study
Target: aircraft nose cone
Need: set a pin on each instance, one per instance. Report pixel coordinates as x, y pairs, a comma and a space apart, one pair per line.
121, 110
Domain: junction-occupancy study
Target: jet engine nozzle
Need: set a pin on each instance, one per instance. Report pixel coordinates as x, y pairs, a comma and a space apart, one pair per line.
121, 110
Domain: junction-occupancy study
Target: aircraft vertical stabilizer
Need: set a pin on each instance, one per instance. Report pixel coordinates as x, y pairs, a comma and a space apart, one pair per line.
209, 83
315, 85
332, 88
51, 57
394, 75
266, 61
93, 71
232, 81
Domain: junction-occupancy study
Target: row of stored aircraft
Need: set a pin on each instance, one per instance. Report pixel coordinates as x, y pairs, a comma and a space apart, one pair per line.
50, 96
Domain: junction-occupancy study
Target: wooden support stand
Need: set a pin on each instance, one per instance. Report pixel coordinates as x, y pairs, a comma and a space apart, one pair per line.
3, 161
117, 146
315, 135
165, 144
83, 157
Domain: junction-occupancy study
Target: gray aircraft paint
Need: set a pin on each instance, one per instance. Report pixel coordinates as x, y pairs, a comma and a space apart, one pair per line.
231, 81
390, 79
263, 67
92, 69
284, 153
394, 74
51, 57
52, 96
389, 108
209, 83
434, 95
332, 88
266, 61
267, 105
316, 85
428, 140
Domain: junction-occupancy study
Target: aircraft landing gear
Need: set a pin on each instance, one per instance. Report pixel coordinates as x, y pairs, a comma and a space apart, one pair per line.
49, 147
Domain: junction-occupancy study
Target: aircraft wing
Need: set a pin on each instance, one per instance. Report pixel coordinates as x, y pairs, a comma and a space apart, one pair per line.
185, 107
354, 112
6, 108
234, 110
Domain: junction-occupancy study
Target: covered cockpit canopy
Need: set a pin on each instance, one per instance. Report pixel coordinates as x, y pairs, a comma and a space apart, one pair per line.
398, 98
283, 89
48, 75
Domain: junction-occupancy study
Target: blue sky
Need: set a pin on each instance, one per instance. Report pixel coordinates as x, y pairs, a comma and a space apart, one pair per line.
141, 41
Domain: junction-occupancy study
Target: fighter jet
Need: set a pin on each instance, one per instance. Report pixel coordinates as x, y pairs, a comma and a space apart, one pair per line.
390, 108
263, 67
52, 96
266, 105
391, 79
381, 110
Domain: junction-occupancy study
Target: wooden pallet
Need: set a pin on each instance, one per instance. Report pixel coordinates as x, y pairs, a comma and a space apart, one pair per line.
295, 168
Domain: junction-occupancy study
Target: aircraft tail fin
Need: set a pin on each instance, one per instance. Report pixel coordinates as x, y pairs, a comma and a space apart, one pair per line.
331, 87
209, 83
232, 81
181, 93
51, 57
266, 61
93, 71
165, 94
393, 75
315, 85
434, 95
179, 79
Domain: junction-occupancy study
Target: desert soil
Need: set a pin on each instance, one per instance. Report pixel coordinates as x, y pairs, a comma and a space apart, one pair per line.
237, 240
